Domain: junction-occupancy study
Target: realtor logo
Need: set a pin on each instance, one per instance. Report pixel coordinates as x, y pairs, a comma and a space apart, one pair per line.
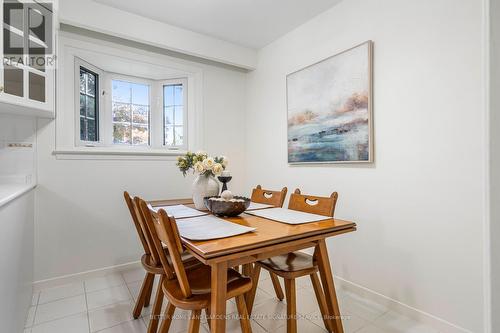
28, 33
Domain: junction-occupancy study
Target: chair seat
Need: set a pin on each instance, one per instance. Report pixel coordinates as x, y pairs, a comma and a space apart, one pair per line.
290, 265
200, 282
187, 258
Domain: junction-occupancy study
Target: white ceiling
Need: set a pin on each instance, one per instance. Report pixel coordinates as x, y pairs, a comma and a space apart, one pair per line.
250, 23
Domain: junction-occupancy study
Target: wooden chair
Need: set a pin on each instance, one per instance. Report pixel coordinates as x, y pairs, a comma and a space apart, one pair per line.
189, 289
150, 261
297, 264
274, 198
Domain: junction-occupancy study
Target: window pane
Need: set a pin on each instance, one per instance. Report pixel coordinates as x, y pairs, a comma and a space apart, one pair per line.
178, 135
83, 81
168, 95
169, 116
140, 94
89, 108
121, 112
140, 134
91, 130
82, 105
121, 133
178, 94
130, 113
122, 91
91, 88
169, 135
140, 114
179, 115
83, 129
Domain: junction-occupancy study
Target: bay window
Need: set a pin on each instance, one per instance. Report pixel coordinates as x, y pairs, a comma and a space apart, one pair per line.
128, 112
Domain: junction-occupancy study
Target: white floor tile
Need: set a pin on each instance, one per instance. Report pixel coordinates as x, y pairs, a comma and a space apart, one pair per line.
34, 298
108, 296
111, 315
261, 296
74, 324
59, 309
370, 329
270, 315
363, 308
134, 275
267, 285
133, 326
351, 323
233, 326
180, 321
303, 325
306, 301
393, 322
60, 292
30, 317
135, 289
104, 282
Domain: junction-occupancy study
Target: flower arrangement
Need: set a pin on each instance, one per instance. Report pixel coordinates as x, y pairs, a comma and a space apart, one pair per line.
202, 164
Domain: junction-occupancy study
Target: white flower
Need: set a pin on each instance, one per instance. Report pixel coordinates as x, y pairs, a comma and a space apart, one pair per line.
198, 167
225, 161
217, 169
208, 163
201, 152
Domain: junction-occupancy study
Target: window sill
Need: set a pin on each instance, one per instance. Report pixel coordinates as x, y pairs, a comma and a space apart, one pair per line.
116, 154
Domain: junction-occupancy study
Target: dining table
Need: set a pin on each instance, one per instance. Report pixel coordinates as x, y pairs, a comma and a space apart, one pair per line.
270, 238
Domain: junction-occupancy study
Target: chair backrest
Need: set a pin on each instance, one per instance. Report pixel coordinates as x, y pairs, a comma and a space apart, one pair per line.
268, 197
164, 230
135, 218
313, 204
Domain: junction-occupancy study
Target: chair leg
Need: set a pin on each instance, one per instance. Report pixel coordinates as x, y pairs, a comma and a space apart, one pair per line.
207, 314
250, 296
320, 297
156, 311
291, 306
277, 286
243, 313
139, 304
194, 321
147, 299
167, 318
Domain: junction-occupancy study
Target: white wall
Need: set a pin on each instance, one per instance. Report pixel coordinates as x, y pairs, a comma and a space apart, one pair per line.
495, 161
82, 222
420, 206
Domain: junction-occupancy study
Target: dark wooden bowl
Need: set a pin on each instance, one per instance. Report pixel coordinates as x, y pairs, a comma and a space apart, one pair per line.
226, 208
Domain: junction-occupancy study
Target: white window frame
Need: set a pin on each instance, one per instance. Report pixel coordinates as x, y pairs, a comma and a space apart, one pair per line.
105, 116
108, 100
99, 96
185, 106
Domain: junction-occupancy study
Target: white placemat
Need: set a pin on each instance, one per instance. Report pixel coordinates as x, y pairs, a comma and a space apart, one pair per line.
180, 211
255, 205
288, 216
209, 227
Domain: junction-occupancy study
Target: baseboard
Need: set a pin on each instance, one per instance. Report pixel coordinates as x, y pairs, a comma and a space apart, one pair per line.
42, 284
439, 324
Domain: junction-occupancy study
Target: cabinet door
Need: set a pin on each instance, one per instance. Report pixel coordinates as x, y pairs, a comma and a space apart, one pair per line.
27, 46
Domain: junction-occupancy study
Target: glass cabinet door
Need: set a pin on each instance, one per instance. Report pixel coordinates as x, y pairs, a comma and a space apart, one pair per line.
27, 40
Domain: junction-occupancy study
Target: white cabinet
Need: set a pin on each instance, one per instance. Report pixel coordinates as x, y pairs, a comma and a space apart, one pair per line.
28, 49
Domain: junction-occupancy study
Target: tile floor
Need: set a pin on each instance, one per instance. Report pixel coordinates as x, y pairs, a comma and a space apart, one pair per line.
104, 304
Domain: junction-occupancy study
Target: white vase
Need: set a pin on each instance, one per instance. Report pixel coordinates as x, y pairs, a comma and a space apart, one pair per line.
204, 186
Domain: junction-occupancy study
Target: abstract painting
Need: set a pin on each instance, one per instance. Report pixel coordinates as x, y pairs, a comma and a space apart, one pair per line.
330, 109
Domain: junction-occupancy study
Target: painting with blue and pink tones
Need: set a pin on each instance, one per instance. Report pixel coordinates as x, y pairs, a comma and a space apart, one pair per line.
330, 109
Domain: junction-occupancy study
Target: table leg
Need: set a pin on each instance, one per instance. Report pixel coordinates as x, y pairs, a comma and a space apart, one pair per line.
218, 297
247, 269
328, 286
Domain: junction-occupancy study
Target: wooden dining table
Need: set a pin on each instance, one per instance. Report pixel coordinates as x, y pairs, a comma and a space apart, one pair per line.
269, 239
